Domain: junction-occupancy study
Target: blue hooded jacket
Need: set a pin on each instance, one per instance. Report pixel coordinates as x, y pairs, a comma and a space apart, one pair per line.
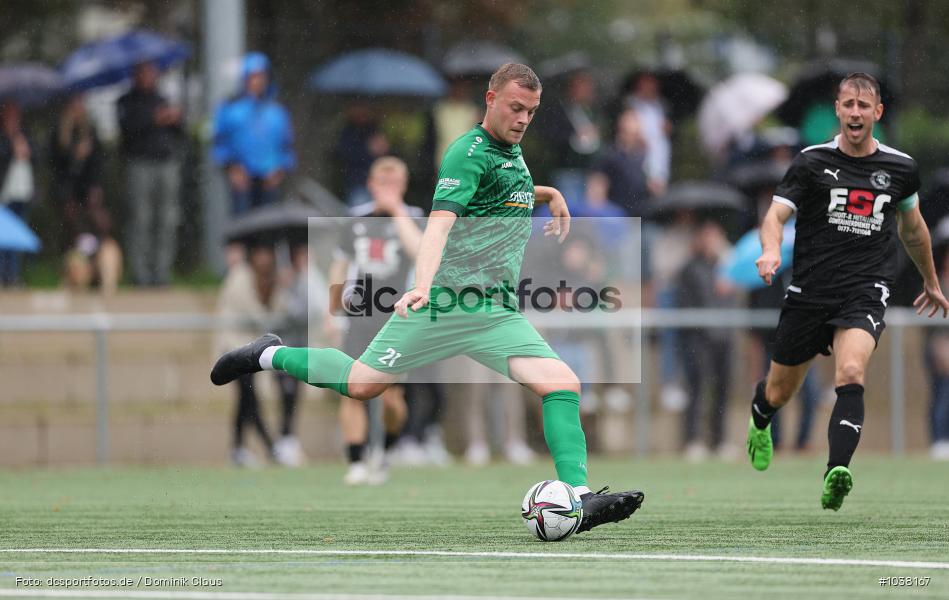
254, 132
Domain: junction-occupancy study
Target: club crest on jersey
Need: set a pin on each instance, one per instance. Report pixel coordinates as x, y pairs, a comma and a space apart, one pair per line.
880, 180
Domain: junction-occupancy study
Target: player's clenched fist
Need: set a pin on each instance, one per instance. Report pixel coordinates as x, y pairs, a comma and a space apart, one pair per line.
768, 264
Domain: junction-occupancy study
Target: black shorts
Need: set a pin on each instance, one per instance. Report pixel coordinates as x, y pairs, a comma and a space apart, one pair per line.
807, 325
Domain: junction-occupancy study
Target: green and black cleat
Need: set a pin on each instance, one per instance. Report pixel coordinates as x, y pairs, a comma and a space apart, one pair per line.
837, 484
760, 446
243, 360
601, 507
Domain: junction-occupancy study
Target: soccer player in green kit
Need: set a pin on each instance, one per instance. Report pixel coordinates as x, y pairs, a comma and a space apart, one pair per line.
474, 240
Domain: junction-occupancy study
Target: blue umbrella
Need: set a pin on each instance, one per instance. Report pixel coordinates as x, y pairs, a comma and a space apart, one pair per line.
740, 268
14, 233
378, 72
29, 84
112, 60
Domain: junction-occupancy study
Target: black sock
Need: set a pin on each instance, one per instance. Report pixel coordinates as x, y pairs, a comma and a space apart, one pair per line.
761, 411
391, 439
354, 452
846, 423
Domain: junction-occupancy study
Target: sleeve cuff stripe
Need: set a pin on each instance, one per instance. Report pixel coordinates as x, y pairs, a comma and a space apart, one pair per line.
784, 201
908, 203
449, 206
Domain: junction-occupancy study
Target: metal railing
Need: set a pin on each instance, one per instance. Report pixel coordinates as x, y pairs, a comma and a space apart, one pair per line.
101, 324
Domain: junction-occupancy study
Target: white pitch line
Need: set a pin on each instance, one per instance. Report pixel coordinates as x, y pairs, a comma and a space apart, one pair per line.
779, 560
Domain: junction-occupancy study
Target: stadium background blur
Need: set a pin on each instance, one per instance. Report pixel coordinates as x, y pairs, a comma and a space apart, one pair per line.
161, 408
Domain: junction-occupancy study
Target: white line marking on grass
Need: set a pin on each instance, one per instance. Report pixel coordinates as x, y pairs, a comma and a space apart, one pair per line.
197, 595
779, 560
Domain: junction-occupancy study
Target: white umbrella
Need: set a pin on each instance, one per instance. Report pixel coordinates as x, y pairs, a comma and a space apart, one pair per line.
734, 106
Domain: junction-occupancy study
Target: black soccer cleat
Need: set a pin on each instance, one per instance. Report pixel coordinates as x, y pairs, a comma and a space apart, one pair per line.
243, 360
601, 507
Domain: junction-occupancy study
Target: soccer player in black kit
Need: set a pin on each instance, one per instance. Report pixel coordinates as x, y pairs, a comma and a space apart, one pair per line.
853, 196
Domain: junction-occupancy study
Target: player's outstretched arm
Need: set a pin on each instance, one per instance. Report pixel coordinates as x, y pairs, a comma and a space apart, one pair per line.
429, 257
560, 224
772, 233
915, 237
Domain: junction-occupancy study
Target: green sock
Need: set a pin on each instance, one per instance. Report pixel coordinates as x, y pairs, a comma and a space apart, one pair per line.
564, 436
320, 367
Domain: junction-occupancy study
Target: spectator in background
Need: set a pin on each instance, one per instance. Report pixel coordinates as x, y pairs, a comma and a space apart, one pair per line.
253, 139
668, 253
937, 358
17, 187
151, 131
91, 253
493, 400
610, 227
453, 115
570, 128
623, 163
645, 97
251, 296
360, 143
706, 352
76, 161
422, 441
303, 292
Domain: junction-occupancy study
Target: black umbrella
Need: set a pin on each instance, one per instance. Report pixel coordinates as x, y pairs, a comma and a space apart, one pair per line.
699, 195
705, 200
564, 65
477, 58
754, 176
817, 82
680, 91
286, 220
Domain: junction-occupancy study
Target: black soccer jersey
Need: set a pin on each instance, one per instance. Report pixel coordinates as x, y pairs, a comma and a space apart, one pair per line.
846, 216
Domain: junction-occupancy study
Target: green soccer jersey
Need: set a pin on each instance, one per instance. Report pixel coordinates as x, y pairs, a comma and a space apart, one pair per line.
487, 184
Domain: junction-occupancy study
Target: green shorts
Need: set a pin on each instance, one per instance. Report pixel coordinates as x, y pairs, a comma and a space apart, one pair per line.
489, 336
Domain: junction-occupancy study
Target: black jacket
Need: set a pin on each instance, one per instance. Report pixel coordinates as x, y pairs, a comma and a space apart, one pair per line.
141, 137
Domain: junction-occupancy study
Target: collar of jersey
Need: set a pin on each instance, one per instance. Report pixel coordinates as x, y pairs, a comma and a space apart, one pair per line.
836, 142
493, 139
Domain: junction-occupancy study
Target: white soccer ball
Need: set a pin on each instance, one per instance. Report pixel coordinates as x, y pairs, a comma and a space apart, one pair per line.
552, 510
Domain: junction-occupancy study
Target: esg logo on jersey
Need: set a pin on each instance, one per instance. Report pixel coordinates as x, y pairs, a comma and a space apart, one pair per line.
863, 203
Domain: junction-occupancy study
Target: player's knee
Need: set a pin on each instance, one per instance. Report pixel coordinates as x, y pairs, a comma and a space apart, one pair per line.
365, 390
849, 372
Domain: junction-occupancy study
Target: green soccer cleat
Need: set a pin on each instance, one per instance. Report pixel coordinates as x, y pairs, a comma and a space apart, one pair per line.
837, 484
760, 447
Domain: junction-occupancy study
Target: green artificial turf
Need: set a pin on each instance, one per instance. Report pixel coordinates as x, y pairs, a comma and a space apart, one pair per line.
898, 510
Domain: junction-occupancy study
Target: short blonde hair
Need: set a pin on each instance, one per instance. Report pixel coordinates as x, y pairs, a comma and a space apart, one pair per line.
389, 164
863, 82
522, 74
